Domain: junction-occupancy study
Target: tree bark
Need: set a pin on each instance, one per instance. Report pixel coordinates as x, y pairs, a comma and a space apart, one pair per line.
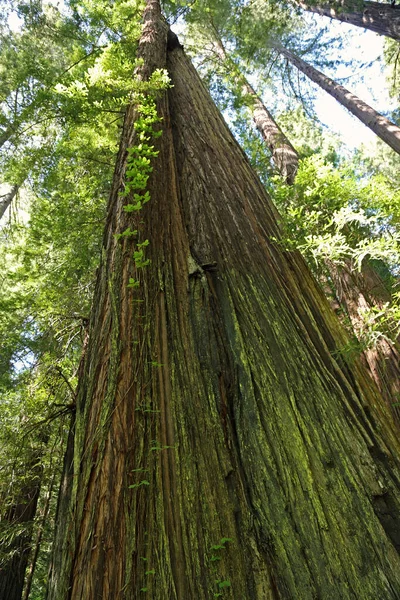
19, 515
219, 448
385, 129
284, 155
39, 537
6, 200
359, 291
383, 19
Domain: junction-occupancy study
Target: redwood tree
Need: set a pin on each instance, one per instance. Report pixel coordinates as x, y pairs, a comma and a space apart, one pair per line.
220, 449
16, 525
284, 155
380, 125
375, 16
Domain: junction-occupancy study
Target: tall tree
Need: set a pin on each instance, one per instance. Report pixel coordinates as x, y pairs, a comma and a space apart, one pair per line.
16, 531
364, 290
219, 448
374, 16
284, 155
6, 199
385, 129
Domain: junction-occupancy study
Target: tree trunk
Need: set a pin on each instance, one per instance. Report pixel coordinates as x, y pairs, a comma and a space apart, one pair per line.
219, 449
375, 16
39, 537
385, 129
284, 155
359, 291
19, 518
6, 200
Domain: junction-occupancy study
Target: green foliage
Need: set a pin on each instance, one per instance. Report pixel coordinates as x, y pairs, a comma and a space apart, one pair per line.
215, 560
334, 217
139, 160
143, 482
64, 143
329, 214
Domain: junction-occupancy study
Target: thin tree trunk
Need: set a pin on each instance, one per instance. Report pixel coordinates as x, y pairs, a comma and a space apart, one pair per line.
284, 155
385, 129
19, 517
6, 200
219, 448
39, 537
375, 16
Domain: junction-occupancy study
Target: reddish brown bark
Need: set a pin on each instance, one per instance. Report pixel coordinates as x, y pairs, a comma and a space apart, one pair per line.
383, 19
284, 155
356, 293
382, 127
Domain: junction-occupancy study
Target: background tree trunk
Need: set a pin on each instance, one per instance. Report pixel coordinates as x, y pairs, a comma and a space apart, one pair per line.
360, 291
375, 16
284, 155
212, 390
385, 129
19, 519
39, 537
6, 200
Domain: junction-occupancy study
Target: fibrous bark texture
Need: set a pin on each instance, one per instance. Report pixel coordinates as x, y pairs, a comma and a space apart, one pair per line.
375, 16
358, 292
285, 157
219, 446
283, 154
385, 129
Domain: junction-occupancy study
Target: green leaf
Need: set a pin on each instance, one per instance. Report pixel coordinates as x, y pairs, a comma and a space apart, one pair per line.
136, 485
133, 283
225, 540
